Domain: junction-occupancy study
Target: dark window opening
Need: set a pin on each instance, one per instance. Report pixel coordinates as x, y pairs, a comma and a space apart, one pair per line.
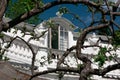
54, 36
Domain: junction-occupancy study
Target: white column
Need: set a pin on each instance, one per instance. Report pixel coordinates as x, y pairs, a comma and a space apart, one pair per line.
50, 37
59, 37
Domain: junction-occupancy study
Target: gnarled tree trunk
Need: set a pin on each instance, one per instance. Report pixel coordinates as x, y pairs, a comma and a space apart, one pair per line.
3, 6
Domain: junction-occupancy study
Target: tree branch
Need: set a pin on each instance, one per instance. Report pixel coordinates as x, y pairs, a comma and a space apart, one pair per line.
30, 47
87, 63
36, 11
65, 69
3, 6
105, 70
82, 36
61, 60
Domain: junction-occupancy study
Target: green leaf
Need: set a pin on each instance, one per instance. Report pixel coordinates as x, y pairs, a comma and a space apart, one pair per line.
110, 57
79, 66
116, 39
1, 35
63, 10
101, 58
18, 7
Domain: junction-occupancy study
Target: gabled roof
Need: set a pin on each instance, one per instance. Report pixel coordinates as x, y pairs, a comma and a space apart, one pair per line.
57, 20
63, 22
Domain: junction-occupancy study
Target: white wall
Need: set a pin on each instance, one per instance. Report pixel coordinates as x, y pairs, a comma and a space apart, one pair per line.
71, 42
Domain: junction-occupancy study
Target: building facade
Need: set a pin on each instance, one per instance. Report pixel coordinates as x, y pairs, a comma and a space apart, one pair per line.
54, 37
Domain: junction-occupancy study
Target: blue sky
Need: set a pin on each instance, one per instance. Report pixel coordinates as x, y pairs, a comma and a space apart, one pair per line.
79, 10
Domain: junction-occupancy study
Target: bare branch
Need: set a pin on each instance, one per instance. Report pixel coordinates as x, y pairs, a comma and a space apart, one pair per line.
3, 6
65, 69
30, 47
35, 11
82, 36
87, 63
105, 70
117, 25
61, 60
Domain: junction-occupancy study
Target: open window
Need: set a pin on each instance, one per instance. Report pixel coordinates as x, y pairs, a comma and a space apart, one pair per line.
63, 38
58, 37
54, 37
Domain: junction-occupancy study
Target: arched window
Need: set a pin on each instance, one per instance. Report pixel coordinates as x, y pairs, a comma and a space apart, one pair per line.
58, 37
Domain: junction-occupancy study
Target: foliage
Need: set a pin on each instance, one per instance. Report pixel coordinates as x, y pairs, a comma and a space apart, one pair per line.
1, 35
79, 66
116, 39
100, 57
60, 75
63, 10
22, 8
18, 7
105, 31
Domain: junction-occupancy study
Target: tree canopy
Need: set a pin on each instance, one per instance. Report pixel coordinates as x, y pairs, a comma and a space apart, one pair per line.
108, 10
18, 7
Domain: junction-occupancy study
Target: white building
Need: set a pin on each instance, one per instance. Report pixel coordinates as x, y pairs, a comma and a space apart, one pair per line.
50, 45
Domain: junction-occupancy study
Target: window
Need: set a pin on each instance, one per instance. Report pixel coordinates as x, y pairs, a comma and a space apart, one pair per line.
63, 38
54, 37
58, 38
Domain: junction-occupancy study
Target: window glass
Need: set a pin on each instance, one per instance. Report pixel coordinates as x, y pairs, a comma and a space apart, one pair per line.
63, 38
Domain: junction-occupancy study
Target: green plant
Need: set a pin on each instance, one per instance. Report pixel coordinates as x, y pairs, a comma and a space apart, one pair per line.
101, 57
